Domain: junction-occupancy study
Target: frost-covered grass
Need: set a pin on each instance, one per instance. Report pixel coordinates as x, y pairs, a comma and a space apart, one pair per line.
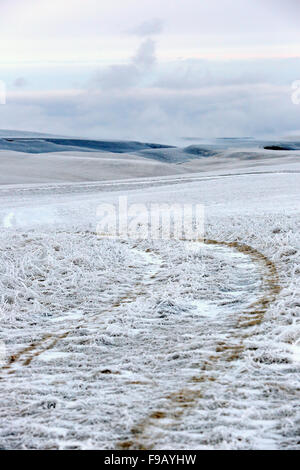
138, 344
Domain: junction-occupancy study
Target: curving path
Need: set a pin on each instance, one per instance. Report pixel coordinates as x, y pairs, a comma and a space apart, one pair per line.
175, 366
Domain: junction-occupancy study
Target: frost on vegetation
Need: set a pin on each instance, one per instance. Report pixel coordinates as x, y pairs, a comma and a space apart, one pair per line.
154, 338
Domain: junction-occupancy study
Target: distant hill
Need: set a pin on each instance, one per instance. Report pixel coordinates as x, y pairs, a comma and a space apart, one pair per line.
43, 144
38, 143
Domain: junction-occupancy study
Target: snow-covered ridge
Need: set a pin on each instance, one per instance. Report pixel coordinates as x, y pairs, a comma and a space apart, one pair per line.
33, 143
50, 144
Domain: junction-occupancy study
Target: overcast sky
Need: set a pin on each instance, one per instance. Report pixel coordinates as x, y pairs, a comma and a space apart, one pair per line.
158, 69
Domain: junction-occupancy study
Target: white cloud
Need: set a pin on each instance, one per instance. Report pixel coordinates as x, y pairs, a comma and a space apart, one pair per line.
38, 30
157, 114
148, 28
145, 56
130, 74
153, 94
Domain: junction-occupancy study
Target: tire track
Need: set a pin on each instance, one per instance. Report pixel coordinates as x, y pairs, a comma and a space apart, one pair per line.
25, 356
183, 400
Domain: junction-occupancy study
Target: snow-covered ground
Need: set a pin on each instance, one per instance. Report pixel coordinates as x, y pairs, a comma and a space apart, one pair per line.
153, 344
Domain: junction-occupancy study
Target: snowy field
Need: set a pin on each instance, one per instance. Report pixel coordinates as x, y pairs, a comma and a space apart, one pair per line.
152, 344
